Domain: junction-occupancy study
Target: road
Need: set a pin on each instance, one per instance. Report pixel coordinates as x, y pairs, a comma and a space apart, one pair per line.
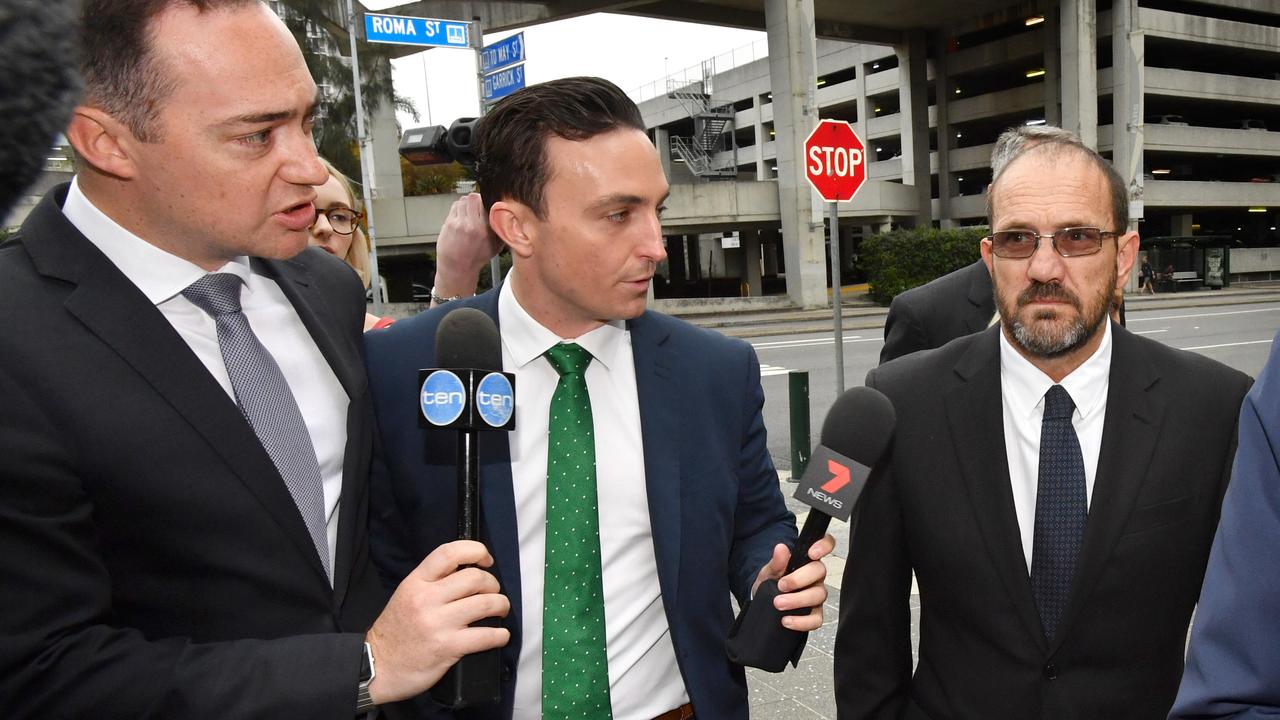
1238, 335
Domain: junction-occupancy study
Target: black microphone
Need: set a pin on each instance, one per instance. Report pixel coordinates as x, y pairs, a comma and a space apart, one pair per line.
855, 434
469, 393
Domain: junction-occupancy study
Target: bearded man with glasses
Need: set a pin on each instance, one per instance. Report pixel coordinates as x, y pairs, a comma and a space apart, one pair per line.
1054, 484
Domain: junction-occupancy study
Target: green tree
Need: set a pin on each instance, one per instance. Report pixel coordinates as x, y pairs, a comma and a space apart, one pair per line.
335, 133
902, 259
430, 179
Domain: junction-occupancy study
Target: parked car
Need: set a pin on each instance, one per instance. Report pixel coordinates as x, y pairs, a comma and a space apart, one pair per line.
1253, 124
1168, 120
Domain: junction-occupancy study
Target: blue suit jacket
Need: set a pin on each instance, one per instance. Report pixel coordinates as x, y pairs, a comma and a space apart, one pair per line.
714, 500
1233, 667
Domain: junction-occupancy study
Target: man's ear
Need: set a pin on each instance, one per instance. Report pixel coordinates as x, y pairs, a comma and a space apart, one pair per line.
512, 222
1126, 255
102, 141
984, 249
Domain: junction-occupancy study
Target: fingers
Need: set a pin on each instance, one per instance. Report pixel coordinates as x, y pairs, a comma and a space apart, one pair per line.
773, 569
478, 639
822, 548
447, 558
804, 623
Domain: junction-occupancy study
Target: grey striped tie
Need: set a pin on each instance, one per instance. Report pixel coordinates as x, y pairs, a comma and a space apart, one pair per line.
266, 402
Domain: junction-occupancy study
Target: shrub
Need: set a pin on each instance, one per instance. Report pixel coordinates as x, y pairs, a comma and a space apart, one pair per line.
899, 260
430, 179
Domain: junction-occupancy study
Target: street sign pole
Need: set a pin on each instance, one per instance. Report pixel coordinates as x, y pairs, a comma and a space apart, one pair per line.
835, 167
477, 43
833, 222
366, 159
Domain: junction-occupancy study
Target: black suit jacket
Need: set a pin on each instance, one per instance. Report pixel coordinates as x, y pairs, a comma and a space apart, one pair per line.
934, 314
941, 505
154, 564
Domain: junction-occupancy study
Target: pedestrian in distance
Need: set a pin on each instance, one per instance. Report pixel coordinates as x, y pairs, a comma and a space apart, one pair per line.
1147, 277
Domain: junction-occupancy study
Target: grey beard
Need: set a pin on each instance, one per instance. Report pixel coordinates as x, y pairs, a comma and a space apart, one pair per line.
1044, 344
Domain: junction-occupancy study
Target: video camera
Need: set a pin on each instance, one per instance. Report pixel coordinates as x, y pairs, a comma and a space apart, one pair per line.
434, 145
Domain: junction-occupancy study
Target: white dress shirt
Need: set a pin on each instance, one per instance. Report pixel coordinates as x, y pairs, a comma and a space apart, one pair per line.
644, 680
1022, 390
162, 277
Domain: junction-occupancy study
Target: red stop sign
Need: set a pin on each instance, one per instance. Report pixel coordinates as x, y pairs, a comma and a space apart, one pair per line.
834, 160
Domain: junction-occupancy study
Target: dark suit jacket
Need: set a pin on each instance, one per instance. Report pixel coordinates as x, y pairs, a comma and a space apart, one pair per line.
1233, 666
154, 564
934, 314
716, 507
942, 505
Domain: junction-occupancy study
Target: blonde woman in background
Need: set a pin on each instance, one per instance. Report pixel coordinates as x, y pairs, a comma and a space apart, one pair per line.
337, 231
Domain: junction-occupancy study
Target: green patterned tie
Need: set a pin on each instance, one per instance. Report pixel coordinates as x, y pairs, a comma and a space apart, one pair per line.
575, 666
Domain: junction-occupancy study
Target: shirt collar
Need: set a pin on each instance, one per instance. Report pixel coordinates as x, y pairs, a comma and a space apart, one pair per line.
160, 275
1024, 385
526, 339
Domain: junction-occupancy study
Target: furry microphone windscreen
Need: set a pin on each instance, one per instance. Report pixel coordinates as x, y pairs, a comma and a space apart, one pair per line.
39, 86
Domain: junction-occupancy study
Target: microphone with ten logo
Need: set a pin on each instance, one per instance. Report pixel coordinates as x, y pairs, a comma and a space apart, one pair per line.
855, 434
469, 393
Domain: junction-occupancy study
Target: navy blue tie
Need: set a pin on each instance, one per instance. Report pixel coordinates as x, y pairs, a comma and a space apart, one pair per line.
1061, 510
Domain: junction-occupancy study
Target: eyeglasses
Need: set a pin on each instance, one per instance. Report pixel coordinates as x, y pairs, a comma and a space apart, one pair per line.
342, 220
1069, 242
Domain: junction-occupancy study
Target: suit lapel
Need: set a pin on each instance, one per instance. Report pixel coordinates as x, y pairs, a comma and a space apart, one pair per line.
498, 500
1129, 435
341, 353
660, 399
343, 358
975, 403
116, 311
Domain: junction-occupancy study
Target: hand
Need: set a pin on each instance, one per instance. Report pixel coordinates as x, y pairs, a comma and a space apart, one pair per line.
804, 588
464, 247
424, 629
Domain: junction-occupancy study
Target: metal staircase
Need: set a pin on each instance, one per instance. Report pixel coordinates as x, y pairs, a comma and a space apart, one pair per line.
712, 128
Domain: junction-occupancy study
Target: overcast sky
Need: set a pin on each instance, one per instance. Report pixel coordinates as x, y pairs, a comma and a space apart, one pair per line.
630, 51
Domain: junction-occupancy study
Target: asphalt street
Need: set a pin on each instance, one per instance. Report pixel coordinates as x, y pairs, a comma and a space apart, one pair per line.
1238, 335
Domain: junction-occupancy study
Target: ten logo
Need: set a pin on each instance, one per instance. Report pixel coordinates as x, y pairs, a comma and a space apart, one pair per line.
495, 399
443, 398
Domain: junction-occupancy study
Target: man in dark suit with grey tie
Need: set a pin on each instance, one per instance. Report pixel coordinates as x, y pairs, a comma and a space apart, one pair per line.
1053, 485
186, 428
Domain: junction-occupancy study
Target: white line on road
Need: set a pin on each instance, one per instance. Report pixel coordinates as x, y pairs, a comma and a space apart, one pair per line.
811, 342
1200, 315
1149, 332
1222, 345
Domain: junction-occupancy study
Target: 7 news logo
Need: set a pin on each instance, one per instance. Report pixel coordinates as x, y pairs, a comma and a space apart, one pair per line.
832, 482
840, 477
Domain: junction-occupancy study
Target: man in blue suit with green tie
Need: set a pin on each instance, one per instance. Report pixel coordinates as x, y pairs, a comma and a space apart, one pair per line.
619, 539
1233, 666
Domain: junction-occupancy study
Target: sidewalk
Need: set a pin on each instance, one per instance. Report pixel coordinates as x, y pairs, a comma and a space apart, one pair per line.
859, 312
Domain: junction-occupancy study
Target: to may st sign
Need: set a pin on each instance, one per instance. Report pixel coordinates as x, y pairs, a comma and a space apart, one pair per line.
504, 53
835, 160
427, 32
